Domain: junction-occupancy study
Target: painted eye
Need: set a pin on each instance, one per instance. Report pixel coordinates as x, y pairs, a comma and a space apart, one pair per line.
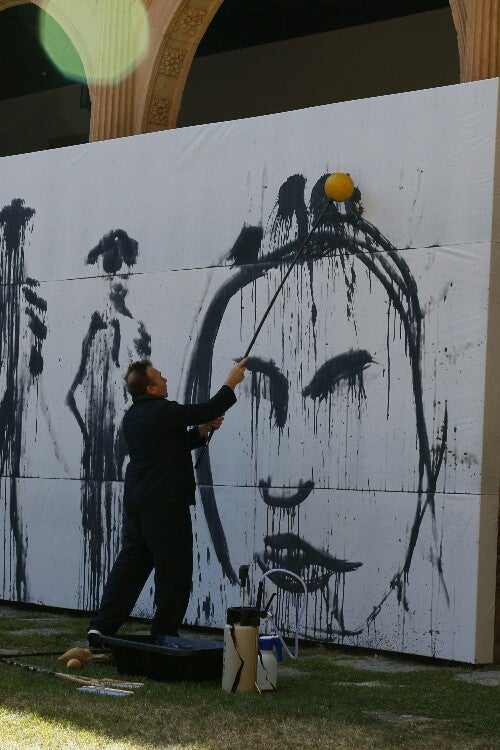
276, 387
344, 368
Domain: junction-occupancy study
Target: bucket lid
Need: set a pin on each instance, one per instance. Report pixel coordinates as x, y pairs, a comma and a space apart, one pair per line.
243, 616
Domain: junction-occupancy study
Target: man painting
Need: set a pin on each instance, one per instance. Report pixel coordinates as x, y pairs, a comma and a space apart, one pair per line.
159, 490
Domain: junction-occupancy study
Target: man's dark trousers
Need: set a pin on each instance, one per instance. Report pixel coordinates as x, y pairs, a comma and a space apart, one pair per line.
160, 538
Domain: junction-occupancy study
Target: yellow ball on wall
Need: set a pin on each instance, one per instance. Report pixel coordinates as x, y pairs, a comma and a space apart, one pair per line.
339, 186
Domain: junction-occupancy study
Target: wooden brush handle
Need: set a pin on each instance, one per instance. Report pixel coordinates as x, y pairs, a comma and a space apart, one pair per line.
73, 678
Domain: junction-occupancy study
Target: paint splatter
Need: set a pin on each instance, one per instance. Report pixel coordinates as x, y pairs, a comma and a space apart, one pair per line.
142, 343
22, 318
117, 296
114, 249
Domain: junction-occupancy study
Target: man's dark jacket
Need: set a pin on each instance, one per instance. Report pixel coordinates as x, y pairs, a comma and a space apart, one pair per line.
160, 472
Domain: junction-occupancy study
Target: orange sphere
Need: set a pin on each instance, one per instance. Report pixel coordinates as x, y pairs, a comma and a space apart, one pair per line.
74, 664
339, 186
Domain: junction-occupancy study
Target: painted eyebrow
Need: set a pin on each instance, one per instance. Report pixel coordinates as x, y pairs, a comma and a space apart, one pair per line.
347, 367
278, 386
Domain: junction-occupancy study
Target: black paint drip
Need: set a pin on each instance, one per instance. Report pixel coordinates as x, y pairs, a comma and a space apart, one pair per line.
344, 368
285, 501
247, 246
143, 342
278, 387
117, 296
289, 206
17, 297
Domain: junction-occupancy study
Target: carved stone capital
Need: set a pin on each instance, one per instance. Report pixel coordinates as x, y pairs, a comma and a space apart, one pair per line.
459, 13
483, 40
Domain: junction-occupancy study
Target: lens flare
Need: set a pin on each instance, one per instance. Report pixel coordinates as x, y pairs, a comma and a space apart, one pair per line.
98, 41
59, 48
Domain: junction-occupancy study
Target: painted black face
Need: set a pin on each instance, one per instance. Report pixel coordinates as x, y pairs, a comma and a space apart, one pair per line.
309, 418
306, 410
343, 370
335, 406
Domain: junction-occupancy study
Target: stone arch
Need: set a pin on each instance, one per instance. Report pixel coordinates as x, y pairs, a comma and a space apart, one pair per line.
182, 32
4, 4
149, 98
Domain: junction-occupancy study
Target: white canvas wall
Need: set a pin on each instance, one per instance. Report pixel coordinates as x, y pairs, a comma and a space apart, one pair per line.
366, 529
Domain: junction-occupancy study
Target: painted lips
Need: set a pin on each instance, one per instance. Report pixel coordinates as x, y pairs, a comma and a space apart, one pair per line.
291, 552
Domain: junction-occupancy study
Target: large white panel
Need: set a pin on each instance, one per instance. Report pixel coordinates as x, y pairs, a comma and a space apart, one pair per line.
64, 536
42, 524
423, 161
213, 590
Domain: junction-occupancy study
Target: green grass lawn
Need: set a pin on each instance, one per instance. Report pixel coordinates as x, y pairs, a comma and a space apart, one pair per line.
311, 710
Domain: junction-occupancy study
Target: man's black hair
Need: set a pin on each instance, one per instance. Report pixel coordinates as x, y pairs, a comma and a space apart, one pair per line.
137, 378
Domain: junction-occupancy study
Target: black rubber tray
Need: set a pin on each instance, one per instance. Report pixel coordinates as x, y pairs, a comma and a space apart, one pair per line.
178, 659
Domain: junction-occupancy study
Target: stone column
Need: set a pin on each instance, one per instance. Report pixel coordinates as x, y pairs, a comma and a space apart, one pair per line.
112, 103
477, 22
173, 61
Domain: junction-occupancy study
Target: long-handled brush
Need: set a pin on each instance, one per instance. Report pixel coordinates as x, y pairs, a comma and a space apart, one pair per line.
101, 683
